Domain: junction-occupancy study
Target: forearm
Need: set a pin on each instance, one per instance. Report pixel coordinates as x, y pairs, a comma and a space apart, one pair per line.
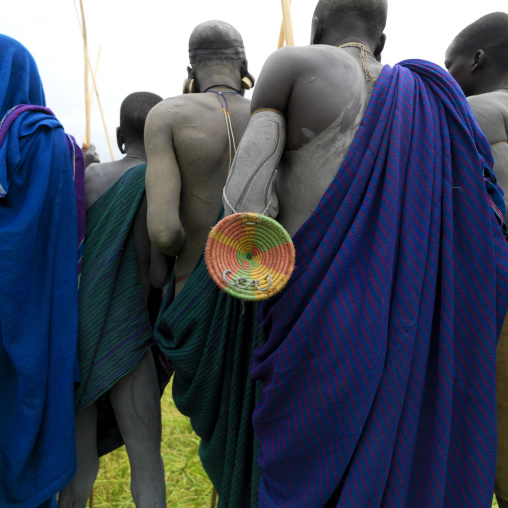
251, 183
161, 268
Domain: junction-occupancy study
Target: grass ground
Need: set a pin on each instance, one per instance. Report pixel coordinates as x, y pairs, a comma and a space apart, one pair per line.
187, 485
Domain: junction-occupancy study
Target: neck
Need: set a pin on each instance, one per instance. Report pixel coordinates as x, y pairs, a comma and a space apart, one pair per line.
221, 88
210, 78
338, 40
136, 149
491, 83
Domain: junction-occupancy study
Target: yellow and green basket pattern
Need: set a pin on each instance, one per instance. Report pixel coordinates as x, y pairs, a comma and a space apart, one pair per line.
250, 256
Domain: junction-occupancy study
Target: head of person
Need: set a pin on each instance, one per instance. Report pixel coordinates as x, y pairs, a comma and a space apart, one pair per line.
217, 57
336, 22
478, 56
133, 112
20, 82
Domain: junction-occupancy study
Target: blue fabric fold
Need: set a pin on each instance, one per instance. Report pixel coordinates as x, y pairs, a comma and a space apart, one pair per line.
38, 293
379, 368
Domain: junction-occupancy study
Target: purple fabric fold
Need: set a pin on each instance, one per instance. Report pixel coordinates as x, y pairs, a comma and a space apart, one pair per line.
379, 368
78, 165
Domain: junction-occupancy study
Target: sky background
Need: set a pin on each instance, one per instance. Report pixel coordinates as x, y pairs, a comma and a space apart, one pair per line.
144, 44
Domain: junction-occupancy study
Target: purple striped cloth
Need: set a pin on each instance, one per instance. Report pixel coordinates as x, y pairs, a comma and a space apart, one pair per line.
379, 368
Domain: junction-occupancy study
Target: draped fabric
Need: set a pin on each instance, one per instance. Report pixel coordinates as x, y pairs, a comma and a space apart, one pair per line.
209, 338
20, 82
38, 289
114, 323
378, 371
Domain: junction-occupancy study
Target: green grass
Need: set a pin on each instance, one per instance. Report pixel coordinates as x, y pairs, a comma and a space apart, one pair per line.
187, 485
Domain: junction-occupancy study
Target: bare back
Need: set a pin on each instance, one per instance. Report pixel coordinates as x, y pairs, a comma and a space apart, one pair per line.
195, 127
99, 177
491, 112
323, 93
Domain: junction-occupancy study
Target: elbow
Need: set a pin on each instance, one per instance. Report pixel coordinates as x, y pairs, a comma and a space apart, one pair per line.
168, 240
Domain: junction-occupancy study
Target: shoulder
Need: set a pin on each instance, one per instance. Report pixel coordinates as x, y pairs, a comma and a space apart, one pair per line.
92, 171
173, 110
491, 115
298, 59
485, 104
291, 66
486, 107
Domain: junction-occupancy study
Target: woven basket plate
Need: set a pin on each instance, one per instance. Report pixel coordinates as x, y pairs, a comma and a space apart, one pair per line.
250, 256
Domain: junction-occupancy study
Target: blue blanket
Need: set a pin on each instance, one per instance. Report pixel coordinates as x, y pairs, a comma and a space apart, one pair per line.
38, 290
379, 369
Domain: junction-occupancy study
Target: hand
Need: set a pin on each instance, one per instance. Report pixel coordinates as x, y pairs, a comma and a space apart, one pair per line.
91, 156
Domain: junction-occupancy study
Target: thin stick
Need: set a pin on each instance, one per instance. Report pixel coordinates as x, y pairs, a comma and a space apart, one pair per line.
90, 500
288, 25
214, 498
95, 75
102, 114
87, 67
281, 34
79, 20
88, 96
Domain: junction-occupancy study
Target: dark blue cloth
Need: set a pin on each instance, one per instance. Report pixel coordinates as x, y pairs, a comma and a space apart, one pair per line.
379, 368
38, 292
20, 82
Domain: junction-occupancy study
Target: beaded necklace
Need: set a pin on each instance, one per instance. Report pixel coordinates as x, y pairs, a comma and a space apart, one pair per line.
221, 96
363, 49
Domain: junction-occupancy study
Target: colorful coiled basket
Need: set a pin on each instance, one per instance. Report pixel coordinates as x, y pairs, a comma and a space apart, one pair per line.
250, 256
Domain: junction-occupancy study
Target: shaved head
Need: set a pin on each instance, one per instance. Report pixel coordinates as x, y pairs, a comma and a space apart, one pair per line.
372, 12
215, 40
133, 112
489, 33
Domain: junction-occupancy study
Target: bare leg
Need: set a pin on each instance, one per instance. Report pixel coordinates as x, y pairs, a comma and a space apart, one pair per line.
501, 488
76, 494
136, 402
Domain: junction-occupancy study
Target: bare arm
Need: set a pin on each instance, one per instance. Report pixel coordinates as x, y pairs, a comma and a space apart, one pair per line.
161, 267
251, 183
163, 183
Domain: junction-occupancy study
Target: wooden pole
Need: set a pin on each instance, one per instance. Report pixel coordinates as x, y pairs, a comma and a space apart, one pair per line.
102, 113
87, 67
79, 20
281, 34
90, 499
288, 25
95, 74
214, 498
88, 95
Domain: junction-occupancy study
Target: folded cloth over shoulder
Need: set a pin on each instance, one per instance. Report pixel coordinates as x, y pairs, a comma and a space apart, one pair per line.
379, 367
114, 325
209, 337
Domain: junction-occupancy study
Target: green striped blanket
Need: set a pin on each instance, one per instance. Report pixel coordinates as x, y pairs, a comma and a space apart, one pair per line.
209, 338
114, 325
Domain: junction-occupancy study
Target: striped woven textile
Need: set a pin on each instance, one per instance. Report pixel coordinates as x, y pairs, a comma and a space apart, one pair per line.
209, 338
379, 367
114, 326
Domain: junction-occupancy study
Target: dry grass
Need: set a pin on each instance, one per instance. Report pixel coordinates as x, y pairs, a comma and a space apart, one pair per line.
187, 485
